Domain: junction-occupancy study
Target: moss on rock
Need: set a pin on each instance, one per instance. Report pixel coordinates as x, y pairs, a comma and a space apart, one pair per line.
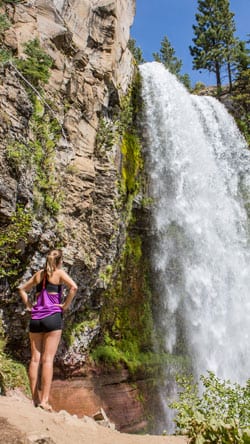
13, 374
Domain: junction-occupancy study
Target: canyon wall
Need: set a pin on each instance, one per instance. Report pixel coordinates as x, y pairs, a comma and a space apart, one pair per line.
61, 166
91, 70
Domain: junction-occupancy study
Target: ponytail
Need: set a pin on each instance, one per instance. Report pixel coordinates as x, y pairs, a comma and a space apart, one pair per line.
52, 261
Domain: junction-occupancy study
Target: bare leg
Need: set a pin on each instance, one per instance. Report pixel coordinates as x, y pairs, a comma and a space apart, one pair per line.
36, 344
50, 344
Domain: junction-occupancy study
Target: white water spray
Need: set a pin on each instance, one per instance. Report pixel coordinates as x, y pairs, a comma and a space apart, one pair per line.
199, 170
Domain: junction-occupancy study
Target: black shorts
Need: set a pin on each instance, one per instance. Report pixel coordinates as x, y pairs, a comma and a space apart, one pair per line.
45, 325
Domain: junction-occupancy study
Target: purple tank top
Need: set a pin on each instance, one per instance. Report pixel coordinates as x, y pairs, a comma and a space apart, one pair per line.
45, 305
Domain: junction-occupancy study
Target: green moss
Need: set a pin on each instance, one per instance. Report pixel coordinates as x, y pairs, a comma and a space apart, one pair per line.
133, 247
131, 163
111, 353
12, 373
11, 237
75, 330
107, 274
126, 316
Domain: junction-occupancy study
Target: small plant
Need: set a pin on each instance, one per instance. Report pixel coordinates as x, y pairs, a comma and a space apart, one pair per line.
46, 183
199, 86
19, 155
39, 155
220, 415
4, 23
5, 56
72, 169
107, 135
35, 67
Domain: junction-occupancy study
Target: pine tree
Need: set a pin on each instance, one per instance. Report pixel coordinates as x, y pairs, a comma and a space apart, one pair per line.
136, 51
243, 57
214, 43
241, 90
167, 57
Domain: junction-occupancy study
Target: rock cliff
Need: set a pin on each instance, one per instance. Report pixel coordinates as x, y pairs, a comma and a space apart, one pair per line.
91, 70
64, 72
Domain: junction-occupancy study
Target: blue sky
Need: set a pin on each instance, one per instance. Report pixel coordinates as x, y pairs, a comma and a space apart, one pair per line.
174, 18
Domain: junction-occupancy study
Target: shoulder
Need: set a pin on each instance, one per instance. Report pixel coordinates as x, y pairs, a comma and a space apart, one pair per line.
66, 279
38, 276
62, 274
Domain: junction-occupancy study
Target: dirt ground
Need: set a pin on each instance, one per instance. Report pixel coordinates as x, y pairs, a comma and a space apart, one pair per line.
21, 423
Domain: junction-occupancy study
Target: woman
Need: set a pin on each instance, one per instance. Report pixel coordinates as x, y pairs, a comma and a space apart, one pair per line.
46, 322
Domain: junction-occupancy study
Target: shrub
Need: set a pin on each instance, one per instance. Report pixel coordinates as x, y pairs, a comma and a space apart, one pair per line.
4, 23
5, 56
35, 67
220, 415
12, 373
10, 239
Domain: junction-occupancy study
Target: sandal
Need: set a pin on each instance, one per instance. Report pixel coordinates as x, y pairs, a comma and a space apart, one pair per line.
45, 407
36, 402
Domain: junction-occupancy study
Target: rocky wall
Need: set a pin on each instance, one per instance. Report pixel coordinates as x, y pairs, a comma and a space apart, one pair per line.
91, 70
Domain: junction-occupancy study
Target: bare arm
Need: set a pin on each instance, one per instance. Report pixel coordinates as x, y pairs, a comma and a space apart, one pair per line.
66, 279
27, 286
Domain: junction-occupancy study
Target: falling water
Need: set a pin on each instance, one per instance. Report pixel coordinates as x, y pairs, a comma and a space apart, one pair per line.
198, 168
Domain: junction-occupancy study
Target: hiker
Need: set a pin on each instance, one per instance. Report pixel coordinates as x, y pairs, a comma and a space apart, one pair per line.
46, 322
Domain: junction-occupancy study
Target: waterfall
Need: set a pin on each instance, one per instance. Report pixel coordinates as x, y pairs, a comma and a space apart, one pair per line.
198, 168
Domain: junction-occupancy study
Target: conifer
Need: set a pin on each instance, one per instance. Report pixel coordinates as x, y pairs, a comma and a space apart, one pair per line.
214, 43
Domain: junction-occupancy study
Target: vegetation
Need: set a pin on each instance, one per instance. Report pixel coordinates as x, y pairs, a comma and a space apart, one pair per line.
5, 54
214, 43
11, 1
126, 317
132, 163
241, 98
167, 57
136, 51
12, 373
241, 91
107, 135
4, 23
39, 155
220, 415
35, 67
74, 330
12, 238
46, 185
121, 129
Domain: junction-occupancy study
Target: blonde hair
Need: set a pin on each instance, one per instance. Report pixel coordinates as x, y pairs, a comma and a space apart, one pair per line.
52, 261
